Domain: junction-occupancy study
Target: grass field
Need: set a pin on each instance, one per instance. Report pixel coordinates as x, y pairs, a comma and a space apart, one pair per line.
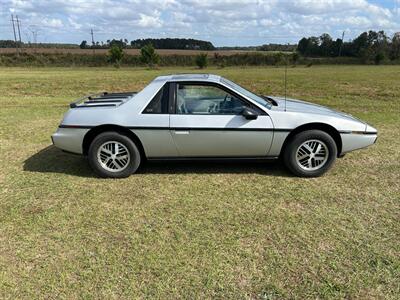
187, 230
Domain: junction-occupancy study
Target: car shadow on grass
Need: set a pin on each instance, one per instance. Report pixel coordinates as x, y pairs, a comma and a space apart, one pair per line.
53, 160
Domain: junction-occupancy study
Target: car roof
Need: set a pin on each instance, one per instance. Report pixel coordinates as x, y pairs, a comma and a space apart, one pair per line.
189, 77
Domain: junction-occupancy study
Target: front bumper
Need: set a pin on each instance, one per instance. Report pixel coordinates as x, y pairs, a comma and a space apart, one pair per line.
69, 139
354, 141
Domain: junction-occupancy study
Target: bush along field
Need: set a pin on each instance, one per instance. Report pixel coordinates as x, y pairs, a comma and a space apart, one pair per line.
190, 230
173, 58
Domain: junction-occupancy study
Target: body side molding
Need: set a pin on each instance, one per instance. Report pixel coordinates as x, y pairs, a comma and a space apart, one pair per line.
180, 128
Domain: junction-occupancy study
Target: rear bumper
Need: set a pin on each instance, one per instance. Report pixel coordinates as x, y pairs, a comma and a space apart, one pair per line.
352, 141
70, 140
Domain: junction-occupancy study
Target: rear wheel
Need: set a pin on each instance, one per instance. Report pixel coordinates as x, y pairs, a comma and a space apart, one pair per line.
310, 153
114, 155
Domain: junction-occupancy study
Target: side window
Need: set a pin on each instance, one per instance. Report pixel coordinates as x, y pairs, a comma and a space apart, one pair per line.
159, 104
206, 99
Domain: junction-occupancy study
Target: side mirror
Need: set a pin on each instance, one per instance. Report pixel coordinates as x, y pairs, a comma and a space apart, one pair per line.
249, 113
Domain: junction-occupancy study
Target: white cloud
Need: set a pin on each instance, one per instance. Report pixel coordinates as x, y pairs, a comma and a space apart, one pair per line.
224, 22
73, 22
53, 23
149, 21
312, 7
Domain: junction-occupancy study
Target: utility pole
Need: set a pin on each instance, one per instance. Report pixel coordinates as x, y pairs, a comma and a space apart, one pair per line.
19, 32
341, 45
15, 36
91, 32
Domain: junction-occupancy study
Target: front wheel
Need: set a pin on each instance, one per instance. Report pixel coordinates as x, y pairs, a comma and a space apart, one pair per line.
113, 155
310, 153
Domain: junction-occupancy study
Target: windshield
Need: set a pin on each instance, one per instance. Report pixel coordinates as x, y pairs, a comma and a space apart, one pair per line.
246, 93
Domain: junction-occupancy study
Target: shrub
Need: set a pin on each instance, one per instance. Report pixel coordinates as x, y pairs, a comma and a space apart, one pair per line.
177, 60
201, 60
242, 59
115, 55
219, 60
280, 59
149, 56
295, 57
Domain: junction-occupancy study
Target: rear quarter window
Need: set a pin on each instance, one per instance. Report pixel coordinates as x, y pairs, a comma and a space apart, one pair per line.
159, 103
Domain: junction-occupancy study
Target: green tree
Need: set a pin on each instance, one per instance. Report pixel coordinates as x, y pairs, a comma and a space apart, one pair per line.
149, 56
379, 57
309, 46
120, 43
395, 46
115, 55
83, 45
202, 60
370, 46
302, 47
326, 44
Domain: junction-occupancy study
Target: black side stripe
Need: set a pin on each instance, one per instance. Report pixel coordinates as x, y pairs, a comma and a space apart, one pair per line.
76, 126
226, 129
210, 129
182, 128
357, 132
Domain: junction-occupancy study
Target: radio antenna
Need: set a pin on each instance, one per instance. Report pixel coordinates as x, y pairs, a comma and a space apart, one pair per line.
286, 63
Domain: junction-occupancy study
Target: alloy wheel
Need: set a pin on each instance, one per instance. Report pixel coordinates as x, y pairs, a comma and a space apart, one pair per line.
312, 155
113, 156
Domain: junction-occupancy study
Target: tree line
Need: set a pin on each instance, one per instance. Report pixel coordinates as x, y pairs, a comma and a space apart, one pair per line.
14, 44
368, 46
182, 44
174, 43
265, 47
165, 43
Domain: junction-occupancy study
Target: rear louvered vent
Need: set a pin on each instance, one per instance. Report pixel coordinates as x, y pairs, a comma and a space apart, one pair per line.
102, 100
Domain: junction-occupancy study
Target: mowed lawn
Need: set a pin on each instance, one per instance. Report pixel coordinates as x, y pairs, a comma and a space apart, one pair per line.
198, 230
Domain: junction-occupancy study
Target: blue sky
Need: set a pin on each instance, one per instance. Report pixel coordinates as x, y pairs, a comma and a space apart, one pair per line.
224, 22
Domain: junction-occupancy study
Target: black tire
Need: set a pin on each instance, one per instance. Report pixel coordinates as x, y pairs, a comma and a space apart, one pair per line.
107, 137
290, 153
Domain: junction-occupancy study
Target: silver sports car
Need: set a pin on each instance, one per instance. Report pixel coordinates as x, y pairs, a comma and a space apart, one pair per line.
203, 116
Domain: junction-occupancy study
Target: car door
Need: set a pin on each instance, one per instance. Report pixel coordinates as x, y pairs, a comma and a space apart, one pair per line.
207, 121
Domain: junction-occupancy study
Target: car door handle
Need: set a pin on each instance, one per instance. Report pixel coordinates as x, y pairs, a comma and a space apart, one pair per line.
182, 131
